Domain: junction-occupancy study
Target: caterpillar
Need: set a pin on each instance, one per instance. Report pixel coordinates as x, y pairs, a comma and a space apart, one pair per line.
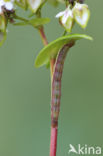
56, 83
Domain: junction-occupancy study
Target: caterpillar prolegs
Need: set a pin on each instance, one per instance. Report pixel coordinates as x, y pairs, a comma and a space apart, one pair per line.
56, 83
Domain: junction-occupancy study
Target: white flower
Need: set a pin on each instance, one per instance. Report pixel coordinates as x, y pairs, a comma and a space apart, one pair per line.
35, 4
6, 4
81, 14
66, 19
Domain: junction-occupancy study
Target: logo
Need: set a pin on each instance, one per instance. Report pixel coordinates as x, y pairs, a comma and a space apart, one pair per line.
81, 150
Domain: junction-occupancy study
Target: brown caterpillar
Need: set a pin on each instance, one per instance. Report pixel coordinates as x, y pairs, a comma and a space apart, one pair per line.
56, 84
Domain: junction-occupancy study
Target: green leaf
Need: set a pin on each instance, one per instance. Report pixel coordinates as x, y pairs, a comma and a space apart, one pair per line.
39, 21
34, 22
51, 50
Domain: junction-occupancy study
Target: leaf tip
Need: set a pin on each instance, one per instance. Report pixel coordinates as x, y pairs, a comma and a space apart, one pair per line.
35, 65
90, 38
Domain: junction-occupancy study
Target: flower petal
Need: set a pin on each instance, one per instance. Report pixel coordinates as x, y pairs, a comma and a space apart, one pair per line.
9, 5
35, 4
60, 14
81, 14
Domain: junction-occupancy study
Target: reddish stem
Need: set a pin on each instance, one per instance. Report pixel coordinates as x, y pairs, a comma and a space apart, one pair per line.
54, 130
43, 36
53, 141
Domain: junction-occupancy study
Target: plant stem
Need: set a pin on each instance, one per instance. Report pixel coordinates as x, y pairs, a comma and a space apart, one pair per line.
56, 95
42, 35
20, 18
53, 141
54, 130
45, 42
52, 63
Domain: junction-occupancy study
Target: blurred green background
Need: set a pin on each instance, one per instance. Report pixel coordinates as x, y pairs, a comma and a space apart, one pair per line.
25, 91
